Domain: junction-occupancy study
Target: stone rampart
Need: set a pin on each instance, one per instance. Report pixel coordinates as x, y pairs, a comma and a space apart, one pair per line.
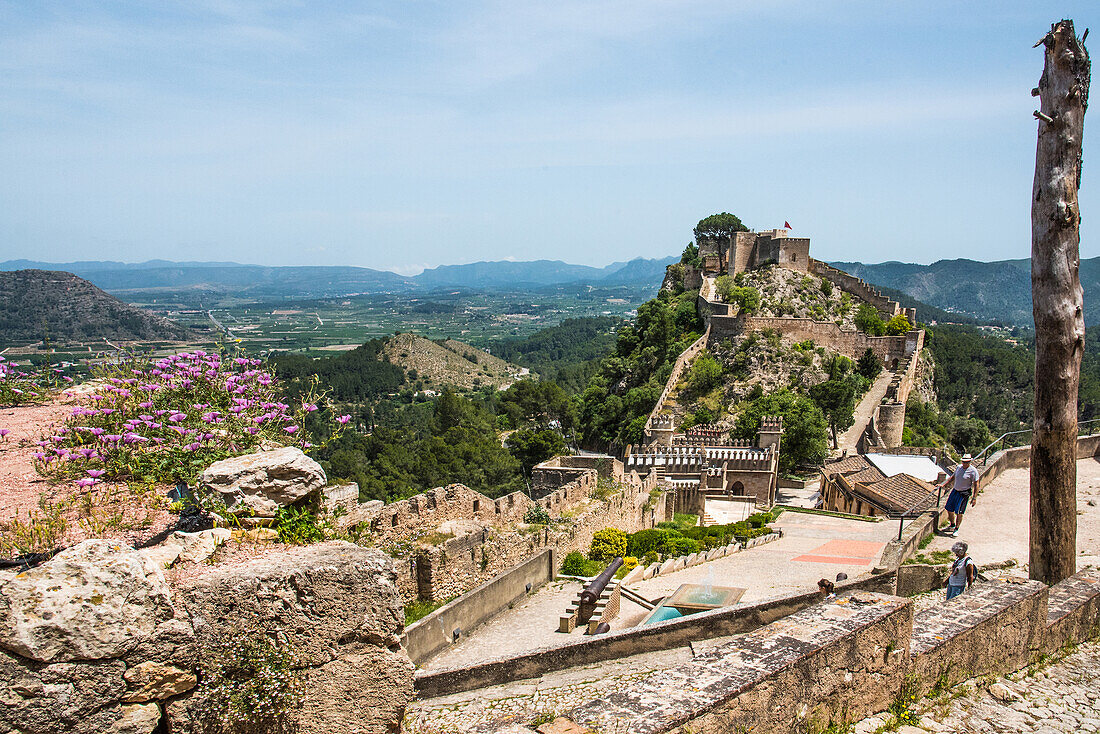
1020, 457
827, 334
437, 568
831, 662
856, 286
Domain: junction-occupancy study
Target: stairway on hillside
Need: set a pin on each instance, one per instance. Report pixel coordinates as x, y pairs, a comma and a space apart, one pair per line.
849, 440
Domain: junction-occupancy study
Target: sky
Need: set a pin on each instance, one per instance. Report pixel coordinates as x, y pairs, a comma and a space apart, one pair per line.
408, 134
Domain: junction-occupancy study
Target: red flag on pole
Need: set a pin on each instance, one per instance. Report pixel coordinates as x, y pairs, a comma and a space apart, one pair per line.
786, 225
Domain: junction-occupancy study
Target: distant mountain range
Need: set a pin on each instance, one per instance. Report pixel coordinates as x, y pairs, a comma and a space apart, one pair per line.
999, 290
960, 290
40, 303
258, 281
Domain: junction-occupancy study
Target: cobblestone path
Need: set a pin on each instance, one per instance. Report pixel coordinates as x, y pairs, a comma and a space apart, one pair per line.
1061, 697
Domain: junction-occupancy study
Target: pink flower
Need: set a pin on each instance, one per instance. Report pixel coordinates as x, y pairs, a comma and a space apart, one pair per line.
177, 417
343, 420
96, 473
4, 433
87, 482
309, 407
291, 429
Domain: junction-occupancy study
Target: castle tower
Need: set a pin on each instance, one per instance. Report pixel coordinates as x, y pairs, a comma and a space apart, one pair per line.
771, 431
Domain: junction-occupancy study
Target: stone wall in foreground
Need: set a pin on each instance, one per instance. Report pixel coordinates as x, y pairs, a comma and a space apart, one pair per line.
837, 661
96, 640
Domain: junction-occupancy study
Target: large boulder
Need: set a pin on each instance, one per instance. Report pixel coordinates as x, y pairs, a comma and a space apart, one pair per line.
95, 600
259, 484
337, 606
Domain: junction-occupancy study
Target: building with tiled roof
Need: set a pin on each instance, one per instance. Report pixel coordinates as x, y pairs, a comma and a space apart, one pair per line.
874, 486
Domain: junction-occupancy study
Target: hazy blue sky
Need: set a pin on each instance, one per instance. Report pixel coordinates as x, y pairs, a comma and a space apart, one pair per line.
400, 135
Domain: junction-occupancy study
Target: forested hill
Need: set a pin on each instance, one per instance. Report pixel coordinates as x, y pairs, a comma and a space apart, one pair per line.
37, 304
999, 290
567, 353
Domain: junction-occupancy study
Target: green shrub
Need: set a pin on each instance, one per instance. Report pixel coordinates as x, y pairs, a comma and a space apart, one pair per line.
297, 526
419, 609
536, 515
575, 564
607, 544
644, 542
868, 320
680, 546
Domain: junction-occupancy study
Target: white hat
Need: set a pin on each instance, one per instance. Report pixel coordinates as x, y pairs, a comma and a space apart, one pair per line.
966, 457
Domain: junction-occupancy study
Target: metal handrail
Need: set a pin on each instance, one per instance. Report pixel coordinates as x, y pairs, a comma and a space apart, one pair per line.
1000, 439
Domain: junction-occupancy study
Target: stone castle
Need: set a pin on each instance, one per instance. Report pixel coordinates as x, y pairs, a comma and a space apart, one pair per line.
703, 460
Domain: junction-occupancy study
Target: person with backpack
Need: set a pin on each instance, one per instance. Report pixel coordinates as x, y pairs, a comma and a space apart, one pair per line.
963, 571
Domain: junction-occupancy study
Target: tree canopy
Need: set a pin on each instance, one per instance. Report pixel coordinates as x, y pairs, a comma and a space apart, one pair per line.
719, 224
803, 443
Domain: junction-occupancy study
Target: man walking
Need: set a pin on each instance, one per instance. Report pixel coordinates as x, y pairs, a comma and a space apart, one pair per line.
964, 488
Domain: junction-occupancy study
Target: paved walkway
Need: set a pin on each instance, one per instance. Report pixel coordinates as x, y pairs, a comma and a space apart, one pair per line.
997, 527
531, 624
864, 411
1062, 697
813, 547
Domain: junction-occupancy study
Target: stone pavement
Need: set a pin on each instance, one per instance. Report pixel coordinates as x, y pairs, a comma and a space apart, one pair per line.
531, 624
812, 547
996, 528
1061, 697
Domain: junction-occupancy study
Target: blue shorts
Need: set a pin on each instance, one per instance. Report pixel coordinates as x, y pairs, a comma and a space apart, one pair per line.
953, 591
956, 502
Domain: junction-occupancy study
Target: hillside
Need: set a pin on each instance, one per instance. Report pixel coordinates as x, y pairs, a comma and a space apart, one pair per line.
999, 290
36, 303
449, 363
567, 353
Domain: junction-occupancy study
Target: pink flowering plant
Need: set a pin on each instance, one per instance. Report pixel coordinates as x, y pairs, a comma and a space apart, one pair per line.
24, 385
167, 420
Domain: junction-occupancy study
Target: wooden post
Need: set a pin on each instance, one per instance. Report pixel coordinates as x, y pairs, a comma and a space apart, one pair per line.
1057, 302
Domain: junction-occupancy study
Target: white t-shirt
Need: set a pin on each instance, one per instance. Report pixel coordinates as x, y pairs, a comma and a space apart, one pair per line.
958, 571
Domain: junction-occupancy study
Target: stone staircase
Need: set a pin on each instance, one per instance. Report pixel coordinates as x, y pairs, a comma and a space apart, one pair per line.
848, 442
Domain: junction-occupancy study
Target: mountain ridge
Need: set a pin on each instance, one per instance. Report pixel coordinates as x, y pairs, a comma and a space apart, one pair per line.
36, 304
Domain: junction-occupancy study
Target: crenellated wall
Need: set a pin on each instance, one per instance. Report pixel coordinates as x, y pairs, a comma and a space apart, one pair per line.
858, 287
450, 539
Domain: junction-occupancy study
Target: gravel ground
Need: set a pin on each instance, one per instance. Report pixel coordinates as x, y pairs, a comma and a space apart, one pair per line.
1060, 697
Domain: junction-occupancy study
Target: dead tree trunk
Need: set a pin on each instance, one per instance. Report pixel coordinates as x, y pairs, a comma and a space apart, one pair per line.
1057, 303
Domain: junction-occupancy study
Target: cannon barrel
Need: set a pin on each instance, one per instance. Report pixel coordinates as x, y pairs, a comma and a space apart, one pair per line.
596, 586
602, 628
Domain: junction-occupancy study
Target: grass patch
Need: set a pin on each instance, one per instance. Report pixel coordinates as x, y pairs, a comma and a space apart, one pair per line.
935, 558
419, 609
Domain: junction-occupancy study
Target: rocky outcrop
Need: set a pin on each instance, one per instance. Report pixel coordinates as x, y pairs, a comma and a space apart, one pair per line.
337, 606
193, 547
89, 602
95, 640
73, 628
256, 485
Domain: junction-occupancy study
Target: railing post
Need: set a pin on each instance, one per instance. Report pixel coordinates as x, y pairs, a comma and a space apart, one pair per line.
901, 525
